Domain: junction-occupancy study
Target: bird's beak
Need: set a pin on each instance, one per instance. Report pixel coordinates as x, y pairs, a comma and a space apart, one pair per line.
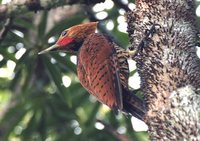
53, 47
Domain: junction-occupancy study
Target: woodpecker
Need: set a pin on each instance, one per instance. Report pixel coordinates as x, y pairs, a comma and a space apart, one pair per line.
102, 67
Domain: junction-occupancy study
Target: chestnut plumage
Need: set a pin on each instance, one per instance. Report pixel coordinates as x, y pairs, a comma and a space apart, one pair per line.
102, 67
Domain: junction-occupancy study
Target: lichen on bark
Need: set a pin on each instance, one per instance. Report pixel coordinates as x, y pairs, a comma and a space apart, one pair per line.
166, 64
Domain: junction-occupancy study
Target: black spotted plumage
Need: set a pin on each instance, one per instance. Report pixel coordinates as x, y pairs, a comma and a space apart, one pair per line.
103, 71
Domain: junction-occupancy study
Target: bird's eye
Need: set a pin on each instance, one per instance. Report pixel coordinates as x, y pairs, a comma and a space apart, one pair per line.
63, 33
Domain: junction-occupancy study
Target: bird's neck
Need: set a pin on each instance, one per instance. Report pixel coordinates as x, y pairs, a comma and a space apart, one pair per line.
74, 48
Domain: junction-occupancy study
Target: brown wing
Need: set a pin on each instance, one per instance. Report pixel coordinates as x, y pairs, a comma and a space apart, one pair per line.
100, 70
83, 77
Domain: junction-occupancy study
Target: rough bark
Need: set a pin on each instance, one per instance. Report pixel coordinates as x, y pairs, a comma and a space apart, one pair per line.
17, 7
169, 67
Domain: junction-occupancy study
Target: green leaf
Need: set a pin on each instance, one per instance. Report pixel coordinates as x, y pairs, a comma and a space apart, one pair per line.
42, 125
14, 38
24, 23
42, 25
55, 75
133, 72
65, 62
12, 118
92, 115
15, 82
3, 62
30, 127
8, 56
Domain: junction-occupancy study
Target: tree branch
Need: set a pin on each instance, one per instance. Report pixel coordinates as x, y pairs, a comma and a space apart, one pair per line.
120, 4
5, 29
110, 129
20, 7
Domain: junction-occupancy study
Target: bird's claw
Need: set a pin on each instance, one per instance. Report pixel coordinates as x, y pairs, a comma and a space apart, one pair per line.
151, 31
142, 44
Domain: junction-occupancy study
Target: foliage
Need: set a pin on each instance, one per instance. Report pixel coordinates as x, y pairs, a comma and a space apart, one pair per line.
34, 103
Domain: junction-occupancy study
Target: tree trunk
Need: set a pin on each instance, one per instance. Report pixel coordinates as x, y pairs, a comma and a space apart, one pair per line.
168, 66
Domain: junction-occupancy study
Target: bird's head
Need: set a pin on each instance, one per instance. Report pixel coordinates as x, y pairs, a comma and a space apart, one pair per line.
72, 38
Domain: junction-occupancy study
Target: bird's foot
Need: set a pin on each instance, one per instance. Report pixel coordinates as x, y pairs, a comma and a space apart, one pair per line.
132, 53
144, 42
151, 31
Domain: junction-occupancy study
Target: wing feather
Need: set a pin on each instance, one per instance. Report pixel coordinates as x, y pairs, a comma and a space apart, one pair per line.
98, 70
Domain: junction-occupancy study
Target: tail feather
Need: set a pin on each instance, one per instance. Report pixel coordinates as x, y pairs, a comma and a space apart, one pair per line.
133, 105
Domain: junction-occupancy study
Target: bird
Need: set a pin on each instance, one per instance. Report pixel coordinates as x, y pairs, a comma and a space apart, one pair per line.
102, 67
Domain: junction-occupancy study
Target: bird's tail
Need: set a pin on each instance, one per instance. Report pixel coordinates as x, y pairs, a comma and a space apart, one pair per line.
133, 104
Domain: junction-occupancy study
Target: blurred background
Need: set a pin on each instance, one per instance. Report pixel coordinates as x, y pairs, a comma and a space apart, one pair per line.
41, 98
